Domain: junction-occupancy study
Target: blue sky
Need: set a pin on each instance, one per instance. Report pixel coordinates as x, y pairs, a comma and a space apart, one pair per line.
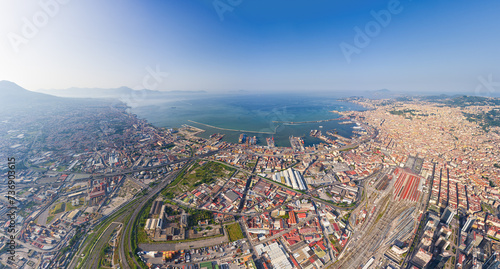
277, 45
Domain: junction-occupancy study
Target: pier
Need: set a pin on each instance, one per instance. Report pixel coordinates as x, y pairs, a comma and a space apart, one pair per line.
235, 130
314, 121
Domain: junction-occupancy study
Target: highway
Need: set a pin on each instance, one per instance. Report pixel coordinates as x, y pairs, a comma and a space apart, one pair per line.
278, 235
128, 226
132, 211
306, 195
133, 208
118, 217
101, 244
147, 168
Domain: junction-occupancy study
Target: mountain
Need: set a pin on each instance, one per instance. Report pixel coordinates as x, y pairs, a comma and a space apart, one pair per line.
122, 93
380, 94
16, 100
13, 94
115, 93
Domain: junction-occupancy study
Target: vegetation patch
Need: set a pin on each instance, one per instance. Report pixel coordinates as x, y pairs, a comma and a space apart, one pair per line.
58, 208
196, 215
488, 208
464, 101
199, 173
71, 207
485, 119
234, 232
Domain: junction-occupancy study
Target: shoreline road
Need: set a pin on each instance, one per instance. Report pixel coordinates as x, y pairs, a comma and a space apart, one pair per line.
185, 245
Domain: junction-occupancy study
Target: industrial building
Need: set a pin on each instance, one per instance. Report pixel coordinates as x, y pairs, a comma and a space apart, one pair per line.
291, 178
276, 254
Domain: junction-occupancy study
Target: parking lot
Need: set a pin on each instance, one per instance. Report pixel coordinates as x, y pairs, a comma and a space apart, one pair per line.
223, 254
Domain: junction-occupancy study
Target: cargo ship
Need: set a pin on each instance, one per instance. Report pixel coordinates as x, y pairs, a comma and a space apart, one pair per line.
334, 133
242, 138
270, 142
297, 143
252, 140
315, 133
217, 136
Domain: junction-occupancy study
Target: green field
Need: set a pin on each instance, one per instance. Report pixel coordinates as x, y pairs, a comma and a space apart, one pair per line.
58, 208
54, 210
70, 207
199, 173
234, 232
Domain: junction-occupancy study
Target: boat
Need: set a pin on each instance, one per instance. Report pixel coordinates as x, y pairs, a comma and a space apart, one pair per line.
242, 138
315, 133
270, 142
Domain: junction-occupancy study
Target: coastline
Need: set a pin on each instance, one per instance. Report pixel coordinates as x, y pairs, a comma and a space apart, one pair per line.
270, 121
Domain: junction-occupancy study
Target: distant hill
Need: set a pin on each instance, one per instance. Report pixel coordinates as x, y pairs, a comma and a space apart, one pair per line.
380, 94
466, 100
95, 92
114, 93
12, 94
15, 100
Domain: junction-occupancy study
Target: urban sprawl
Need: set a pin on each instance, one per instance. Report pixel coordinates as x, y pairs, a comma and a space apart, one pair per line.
416, 186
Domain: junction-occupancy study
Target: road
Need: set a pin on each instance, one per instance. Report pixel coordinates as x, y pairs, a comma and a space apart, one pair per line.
101, 244
425, 215
120, 218
134, 170
102, 239
289, 188
28, 246
326, 239
278, 235
128, 226
247, 186
42, 219
134, 210
138, 206
185, 245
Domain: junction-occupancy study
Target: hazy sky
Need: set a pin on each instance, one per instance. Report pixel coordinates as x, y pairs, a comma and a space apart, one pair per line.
227, 45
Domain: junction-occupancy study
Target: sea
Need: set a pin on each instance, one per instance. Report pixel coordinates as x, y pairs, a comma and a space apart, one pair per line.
260, 115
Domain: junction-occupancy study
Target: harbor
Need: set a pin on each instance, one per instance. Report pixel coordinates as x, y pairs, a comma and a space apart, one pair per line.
234, 130
314, 121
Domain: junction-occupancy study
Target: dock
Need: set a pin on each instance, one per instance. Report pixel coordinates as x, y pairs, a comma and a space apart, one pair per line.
235, 130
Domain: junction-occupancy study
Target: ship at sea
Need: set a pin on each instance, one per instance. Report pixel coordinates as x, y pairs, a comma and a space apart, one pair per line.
217, 136
357, 126
297, 143
270, 142
315, 133
252, 140
242, 138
